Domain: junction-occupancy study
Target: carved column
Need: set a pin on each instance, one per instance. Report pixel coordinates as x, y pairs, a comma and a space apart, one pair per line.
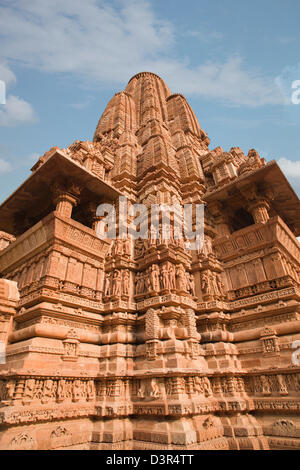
96, 220
259, 210
65, 199
221, 218
5, 239
64, 204
258, 204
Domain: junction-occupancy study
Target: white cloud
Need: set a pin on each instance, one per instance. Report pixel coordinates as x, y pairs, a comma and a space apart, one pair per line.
91, 38
204, 35
228, 81
292, 170
5, 166
6, 74
79, 106
16, 111
7, 77
33, 157
108, 42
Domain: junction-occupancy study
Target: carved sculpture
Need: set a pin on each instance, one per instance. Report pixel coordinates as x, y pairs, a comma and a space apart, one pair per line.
128, 343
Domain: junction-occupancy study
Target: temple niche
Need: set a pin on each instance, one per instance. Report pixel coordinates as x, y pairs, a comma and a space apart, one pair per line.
146, 344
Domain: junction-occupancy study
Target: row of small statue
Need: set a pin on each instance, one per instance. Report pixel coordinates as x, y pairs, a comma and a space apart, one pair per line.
167, 278
157, 239
117, 283
141, 246
211, 284
195, 385
121, 246
175, 385
47, 389
156, 278
275, 383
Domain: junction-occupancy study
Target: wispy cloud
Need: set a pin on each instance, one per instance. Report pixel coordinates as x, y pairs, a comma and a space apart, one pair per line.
33, 157
108, 42
292, 170
81, 105
16, 111
227, 81
285, 81
5, 166
285, 40
6, 74
203, 35
91, 38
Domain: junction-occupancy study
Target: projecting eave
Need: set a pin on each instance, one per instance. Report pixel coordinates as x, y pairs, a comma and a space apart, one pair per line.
34, 196
286, 202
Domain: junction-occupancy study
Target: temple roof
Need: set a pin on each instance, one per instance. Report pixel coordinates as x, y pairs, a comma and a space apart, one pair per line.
285, 201
34, 196
137, 76
145, 98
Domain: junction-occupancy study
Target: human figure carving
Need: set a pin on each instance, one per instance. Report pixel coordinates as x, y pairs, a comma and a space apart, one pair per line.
206, 283
141, 390
220, 285
181, 278
117, 281
207, 387
172, 278
198, 385
29, 389
107, 284
155, 390
69, 349
165, 280
153, 236
265, 385
154, 277
147, 281
140, 285
127, 246
90, 390
137, 283
126, 282
62, 390
190, 283
48, 389
77, 390
118, 247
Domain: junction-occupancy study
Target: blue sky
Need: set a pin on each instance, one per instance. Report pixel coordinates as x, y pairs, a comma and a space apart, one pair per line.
62, 60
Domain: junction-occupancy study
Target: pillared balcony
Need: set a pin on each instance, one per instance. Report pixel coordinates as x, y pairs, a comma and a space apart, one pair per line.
259, 258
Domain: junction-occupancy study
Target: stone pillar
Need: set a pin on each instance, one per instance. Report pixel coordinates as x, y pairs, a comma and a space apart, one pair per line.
9, 297
259, 210
257, 203
221, 218
98, 225
65, 198
64, 204
5, 240
96, 220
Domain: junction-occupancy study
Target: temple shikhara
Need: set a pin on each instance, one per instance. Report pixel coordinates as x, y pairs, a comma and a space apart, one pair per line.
145, 344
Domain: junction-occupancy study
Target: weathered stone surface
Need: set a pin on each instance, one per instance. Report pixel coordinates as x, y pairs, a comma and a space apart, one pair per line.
147, 345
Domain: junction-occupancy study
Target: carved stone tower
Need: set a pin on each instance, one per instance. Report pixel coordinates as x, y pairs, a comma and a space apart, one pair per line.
145, 344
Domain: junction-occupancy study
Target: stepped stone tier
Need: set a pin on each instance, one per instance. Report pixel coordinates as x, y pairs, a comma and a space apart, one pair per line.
145, 344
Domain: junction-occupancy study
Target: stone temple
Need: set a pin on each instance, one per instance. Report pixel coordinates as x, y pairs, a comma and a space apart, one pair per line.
146, 344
